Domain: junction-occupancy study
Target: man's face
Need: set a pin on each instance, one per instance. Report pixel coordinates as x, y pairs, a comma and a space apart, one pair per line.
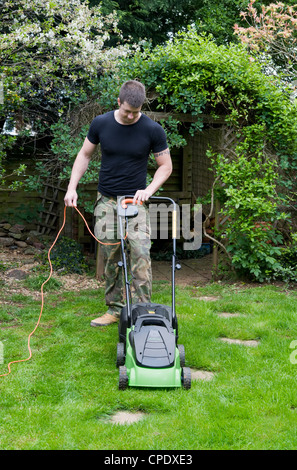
128, 114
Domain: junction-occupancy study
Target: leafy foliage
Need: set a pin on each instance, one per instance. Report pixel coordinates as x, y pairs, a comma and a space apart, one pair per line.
67, 257
194, 75
251, 206
155, 20
51, 52
287, 270
159, 20
270, 34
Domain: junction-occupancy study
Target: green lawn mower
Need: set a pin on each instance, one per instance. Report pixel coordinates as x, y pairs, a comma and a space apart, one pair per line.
147, 352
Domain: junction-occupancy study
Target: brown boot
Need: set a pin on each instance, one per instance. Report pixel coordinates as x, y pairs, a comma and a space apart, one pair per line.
106, 319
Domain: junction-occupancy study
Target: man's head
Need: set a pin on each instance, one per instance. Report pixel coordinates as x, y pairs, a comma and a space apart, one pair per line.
130, 101
133, 93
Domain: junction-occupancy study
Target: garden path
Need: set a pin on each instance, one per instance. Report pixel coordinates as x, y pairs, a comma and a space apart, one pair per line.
193, 271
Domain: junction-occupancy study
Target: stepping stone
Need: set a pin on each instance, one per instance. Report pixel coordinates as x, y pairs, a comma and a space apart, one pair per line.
126, 417
209, 298
201, 374
18, 274
228, 315
251, 342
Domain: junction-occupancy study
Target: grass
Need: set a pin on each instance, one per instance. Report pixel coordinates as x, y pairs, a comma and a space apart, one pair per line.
64, 396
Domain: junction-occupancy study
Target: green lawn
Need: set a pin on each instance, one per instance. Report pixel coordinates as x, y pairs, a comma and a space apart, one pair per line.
64, 397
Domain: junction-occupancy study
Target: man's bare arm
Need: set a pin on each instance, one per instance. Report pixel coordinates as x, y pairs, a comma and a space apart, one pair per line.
78, 170
162, 173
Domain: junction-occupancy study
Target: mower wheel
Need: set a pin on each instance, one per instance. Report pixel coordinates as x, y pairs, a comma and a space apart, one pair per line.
182, 355
123, 378
186, 378
120, 354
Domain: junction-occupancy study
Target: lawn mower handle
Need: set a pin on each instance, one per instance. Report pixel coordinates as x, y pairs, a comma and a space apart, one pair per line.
122, 208
124, 202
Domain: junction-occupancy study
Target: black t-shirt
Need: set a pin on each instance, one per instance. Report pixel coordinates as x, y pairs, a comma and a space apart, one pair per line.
125, 150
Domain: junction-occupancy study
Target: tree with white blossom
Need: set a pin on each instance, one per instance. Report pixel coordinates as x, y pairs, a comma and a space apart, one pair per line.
51, 52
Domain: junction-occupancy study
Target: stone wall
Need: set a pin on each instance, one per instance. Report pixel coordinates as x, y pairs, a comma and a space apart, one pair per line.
19, 236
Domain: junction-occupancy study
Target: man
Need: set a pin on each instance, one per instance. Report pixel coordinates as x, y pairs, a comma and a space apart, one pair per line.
126, 137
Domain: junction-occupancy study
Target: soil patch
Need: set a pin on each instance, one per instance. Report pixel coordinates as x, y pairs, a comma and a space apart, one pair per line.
193, 271
17, 265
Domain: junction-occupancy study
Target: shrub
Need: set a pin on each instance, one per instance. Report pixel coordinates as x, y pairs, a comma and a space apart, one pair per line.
67, 257
248, 192
288, 262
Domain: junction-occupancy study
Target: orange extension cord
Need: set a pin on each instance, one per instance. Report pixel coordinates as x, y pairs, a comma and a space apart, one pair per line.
50, 275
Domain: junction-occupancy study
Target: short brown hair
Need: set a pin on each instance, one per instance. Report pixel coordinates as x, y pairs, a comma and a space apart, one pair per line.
133, 92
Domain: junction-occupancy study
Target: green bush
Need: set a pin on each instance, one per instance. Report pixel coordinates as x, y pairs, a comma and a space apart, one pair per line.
248, 194
67, 257
288, 262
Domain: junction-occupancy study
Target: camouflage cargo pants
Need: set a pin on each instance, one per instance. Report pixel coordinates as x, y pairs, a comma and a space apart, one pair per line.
139, 262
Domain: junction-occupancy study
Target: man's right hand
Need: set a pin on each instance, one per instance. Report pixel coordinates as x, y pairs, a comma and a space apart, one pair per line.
70, 198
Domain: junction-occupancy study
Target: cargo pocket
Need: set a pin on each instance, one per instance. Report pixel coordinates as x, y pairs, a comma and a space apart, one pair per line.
99, 197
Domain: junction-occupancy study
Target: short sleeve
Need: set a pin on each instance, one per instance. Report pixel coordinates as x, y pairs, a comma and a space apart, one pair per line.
159, 139
93, 133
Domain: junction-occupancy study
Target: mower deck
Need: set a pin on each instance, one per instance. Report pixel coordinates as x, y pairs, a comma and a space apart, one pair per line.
148, 354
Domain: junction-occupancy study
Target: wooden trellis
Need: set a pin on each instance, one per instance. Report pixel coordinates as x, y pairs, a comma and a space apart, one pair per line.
230, 139
49, 214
